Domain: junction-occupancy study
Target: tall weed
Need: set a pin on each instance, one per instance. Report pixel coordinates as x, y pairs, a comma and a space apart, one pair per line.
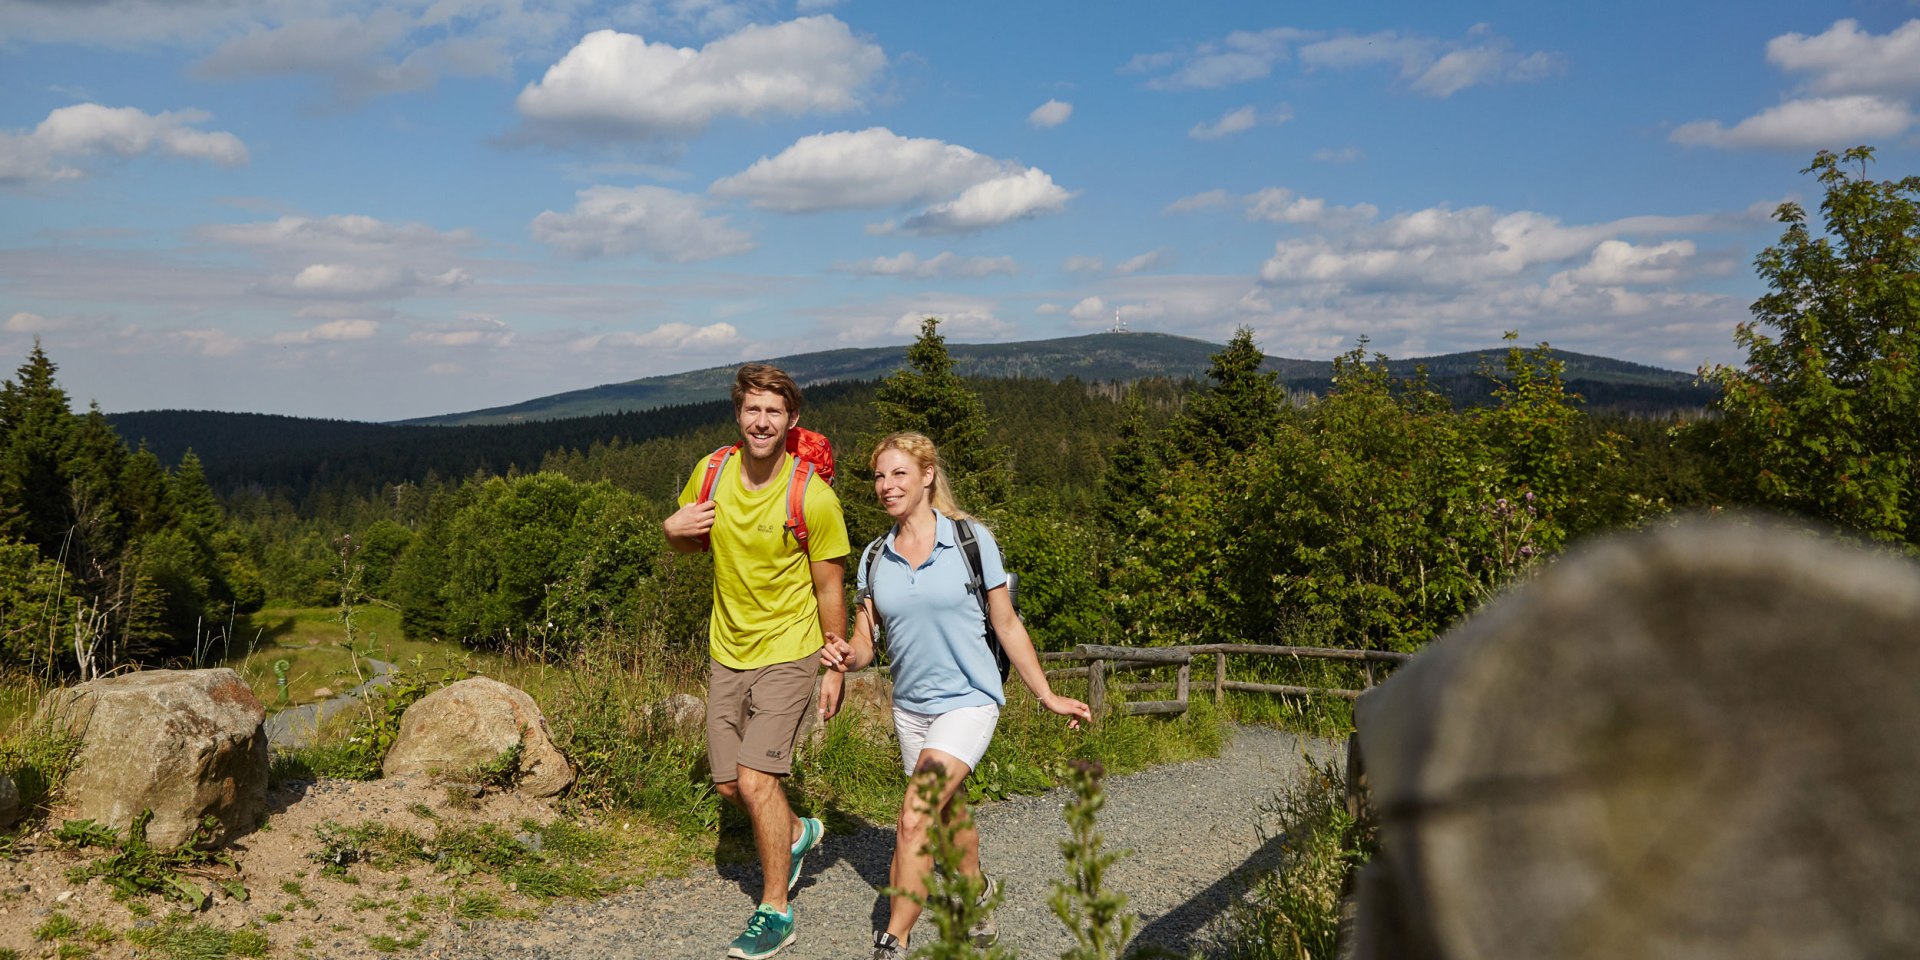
1293, 911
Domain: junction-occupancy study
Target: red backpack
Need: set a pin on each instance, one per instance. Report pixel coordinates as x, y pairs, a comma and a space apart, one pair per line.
812, 453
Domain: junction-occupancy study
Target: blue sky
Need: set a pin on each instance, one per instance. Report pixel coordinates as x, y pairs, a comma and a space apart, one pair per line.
372, 211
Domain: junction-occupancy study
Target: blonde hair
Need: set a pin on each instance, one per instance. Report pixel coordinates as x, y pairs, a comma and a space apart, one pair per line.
924, 454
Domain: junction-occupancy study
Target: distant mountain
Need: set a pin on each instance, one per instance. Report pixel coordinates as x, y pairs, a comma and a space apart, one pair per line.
1100, 356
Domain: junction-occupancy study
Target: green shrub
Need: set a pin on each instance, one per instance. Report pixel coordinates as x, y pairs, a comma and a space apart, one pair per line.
1293, 911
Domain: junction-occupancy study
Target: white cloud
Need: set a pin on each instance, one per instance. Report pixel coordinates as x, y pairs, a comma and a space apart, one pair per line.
471, 330
619, 84
339, 237
878, 168
1084, 264
24, 322
1340, 155
663, 224
351, 53
667, 336
1280, 205
1145, 261
1428, 65
1846, 59
860, 169
995, 202
971, 322
943, 264
1232, 122
208, 341
1050, 114
89, 129
1617, 263
1242, 56
1440, 248
1090, 308
1199, 201
333, 331
357, 281
1825, 122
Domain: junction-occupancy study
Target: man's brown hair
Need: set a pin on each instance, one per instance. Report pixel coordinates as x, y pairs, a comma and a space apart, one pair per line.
767, 377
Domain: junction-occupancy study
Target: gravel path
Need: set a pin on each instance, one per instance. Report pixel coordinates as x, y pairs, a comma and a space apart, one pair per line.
1191, 826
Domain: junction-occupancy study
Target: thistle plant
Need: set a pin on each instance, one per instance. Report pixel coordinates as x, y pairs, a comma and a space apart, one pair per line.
952, 900
1096, 916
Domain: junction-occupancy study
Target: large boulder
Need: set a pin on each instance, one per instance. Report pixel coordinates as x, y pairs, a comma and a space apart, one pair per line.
463, 727
185, 744
10, 809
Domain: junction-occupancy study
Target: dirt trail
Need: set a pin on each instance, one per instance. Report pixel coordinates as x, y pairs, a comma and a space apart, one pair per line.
1194, 829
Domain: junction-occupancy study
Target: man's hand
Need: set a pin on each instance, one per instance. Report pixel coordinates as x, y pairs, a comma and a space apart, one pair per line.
832, 688
837, 654
689, 523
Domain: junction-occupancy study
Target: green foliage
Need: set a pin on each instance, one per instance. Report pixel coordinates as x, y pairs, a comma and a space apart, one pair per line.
1293, 911
180, 938
541, 861
929, 398
1236, 410
354, 745
1059, 563
953, 899
1095, 916
137, 867
1824, 419
38, 757
1372, 519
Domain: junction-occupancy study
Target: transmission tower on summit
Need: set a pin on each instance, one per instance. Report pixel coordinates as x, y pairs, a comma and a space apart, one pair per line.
1119, 325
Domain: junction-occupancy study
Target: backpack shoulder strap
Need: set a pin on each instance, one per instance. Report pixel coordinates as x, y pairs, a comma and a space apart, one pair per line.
716, 461
803, 471
870, 559
969, 542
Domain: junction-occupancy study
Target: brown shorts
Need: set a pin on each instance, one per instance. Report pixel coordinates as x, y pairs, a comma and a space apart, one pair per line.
753, 716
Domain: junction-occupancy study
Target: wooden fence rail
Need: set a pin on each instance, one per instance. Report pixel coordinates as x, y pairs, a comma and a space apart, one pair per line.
1100, 659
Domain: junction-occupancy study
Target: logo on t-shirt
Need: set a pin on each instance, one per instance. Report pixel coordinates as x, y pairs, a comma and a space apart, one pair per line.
768, 527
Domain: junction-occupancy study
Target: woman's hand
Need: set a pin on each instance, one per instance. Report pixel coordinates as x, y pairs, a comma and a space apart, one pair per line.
1068, 707
836, 654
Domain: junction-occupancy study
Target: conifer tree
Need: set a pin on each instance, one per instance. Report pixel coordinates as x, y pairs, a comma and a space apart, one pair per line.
1237, 410
930, 398
34, 418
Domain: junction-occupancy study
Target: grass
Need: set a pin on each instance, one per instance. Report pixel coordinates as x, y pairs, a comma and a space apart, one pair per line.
323, 659
137, 868
178, 937
1293, 912
542, 862
38, 757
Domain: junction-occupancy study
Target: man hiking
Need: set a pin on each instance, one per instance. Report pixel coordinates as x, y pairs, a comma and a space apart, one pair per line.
778, 539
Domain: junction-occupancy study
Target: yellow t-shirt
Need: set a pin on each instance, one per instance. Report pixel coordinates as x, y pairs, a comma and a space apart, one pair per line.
764, 609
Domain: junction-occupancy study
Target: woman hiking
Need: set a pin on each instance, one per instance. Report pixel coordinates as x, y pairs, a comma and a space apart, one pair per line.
915, 584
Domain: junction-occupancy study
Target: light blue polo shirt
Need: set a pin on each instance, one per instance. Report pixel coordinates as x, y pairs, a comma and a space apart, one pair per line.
935, 636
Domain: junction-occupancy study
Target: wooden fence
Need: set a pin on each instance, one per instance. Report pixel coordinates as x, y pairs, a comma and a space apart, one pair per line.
1100, 659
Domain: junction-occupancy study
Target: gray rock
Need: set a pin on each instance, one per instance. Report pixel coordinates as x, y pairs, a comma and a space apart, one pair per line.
9, 802
183, 743
466, 725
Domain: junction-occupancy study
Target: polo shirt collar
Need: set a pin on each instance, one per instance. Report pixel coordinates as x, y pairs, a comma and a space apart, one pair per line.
943, 534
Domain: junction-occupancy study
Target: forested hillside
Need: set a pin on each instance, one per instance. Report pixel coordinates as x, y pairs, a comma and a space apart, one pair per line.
1155, 511
1102, 357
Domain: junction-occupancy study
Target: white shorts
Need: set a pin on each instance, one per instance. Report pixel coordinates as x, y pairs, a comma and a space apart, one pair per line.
962, 733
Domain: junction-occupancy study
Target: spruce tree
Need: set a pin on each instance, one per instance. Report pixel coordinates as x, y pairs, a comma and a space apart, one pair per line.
1237, 410
930, 398
36, 422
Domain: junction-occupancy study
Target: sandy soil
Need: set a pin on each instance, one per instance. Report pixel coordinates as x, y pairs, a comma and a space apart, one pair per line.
326, 917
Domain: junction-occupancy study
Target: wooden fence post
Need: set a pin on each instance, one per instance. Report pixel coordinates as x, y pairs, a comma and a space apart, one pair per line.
1219, 676
1097, 688
1186, 669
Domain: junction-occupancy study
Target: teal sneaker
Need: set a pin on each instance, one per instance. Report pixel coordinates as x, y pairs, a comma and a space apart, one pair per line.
811, 831
768, 930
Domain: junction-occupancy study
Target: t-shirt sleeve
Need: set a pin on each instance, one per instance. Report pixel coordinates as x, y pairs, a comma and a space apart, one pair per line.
993, 570
692, 488
826, 524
